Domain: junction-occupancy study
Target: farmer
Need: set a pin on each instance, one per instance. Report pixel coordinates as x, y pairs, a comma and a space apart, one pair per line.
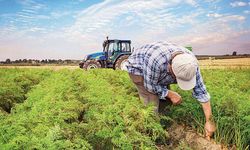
154, 66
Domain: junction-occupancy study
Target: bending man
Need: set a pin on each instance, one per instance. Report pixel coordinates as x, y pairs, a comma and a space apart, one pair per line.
155, 66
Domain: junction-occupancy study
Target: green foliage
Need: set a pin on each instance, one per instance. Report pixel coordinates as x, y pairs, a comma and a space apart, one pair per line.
15, 83
100, 109
115, 118
80, 110
48, 119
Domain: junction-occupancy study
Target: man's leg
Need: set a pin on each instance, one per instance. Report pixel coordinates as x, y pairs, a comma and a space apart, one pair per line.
146, 96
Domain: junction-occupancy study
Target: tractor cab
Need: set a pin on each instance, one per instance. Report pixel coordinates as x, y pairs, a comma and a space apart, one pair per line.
113, 49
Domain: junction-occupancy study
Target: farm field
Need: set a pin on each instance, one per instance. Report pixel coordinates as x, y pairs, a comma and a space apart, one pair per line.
204, 64
225, 63
100, 109
53, 67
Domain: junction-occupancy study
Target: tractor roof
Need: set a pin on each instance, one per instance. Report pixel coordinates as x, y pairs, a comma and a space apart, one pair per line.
116, 40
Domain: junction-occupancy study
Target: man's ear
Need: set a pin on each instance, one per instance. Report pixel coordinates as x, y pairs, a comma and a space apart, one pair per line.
171, 70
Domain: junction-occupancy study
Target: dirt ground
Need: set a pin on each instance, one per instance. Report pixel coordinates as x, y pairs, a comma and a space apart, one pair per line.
184, 138
204, 64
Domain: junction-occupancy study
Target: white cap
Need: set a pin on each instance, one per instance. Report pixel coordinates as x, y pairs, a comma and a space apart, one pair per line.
185, 67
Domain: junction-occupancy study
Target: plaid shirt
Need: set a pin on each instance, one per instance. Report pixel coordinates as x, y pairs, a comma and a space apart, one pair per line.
151, 61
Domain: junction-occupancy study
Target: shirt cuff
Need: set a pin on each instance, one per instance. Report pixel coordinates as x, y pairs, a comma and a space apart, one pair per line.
164, 94
203, 98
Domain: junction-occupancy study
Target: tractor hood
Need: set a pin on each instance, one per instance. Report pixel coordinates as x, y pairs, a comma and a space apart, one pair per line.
96, 56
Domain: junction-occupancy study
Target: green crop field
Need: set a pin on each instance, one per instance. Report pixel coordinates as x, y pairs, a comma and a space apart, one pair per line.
100, 109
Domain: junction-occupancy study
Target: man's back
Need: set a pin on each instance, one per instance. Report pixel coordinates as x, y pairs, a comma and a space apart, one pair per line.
158, 53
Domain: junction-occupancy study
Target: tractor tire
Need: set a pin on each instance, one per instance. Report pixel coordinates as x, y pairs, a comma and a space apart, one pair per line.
91, 64
121, 63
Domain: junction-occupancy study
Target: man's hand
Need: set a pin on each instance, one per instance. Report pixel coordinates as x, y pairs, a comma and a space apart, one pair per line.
209, 129
174, 97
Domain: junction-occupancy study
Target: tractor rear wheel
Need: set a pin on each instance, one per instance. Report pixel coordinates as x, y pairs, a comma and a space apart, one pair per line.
122, 62
91, 64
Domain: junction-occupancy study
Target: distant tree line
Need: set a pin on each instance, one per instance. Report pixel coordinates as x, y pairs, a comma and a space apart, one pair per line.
35, 61
69, 61
227, 56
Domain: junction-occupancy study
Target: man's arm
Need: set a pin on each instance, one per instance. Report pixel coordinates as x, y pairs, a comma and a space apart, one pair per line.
210, 126
207, 110
201, 94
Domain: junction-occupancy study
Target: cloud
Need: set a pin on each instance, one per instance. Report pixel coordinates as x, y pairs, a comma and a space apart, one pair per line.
60, 14
26, 18
191, 2
238, 4
35, 29
153, 16
212, 1
246, 11
31, 4
30, 11
215, 35
215, 15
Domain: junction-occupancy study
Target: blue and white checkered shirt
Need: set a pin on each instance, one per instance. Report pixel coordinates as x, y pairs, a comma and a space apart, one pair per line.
151, 61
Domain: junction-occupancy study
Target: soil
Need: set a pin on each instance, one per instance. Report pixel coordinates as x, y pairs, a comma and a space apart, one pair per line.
185, 138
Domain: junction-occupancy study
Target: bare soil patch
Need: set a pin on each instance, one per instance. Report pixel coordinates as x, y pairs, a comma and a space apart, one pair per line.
185, 138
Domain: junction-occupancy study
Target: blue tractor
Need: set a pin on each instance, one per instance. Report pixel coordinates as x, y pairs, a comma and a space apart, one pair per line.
115, 55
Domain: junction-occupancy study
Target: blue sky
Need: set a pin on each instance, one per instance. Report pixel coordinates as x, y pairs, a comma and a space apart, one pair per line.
70, 29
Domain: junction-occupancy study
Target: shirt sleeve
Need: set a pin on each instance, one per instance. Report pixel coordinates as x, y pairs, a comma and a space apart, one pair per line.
151, 75
200, 91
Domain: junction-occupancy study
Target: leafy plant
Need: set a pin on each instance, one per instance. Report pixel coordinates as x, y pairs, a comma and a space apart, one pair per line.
15, 83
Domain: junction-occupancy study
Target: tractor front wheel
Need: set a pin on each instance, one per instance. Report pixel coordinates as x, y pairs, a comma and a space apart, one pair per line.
91, 64
122, 62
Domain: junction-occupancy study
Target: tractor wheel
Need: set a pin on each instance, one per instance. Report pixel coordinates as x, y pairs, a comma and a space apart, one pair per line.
121, 62
91, 64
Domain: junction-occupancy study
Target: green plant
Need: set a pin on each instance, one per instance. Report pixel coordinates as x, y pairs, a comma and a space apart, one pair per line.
15, 83
70, 110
